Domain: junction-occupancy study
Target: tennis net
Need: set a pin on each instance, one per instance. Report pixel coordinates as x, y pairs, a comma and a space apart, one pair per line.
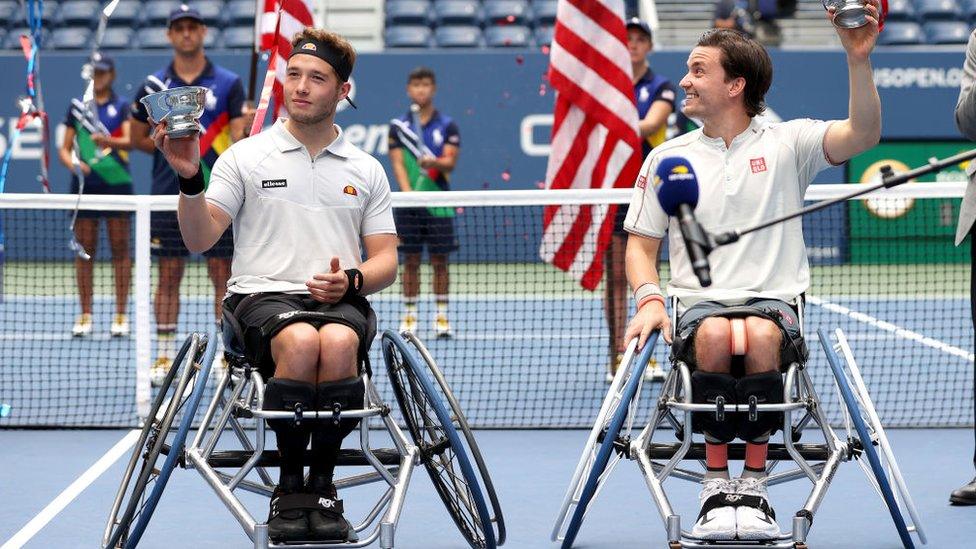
530, 348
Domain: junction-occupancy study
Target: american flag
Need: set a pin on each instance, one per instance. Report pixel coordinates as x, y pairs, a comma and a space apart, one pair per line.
295, 16
595, 143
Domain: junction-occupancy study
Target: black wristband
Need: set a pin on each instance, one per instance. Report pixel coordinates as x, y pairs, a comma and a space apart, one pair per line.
192, 186
355, 278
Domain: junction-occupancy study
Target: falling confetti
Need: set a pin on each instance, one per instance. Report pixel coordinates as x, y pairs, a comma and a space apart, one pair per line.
459, 210
506, 175
519, 60
484, 185
545, 49
540, 184
542, 89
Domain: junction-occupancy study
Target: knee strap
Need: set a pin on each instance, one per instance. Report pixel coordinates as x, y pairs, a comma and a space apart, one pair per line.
287, 395
339, 396
764, 388
712, 388
739, 342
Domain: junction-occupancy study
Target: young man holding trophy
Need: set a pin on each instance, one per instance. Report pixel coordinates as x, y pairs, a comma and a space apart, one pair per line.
303, 202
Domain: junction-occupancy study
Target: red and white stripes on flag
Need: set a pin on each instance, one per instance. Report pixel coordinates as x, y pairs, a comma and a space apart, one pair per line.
594, 134
295, 16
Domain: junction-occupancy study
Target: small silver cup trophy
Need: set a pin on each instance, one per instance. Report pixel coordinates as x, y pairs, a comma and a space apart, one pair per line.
181, 108
850, 14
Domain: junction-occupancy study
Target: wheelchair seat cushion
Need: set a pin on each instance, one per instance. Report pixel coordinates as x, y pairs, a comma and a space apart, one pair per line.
793, 347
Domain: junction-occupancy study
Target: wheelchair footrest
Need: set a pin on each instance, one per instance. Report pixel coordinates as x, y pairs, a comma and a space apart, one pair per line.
270, 458
777, 452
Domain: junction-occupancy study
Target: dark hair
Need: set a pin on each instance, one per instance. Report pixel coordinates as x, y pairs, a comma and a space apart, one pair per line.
743, 57
420, 73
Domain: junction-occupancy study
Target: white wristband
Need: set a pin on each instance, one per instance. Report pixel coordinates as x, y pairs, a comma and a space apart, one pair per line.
647, 289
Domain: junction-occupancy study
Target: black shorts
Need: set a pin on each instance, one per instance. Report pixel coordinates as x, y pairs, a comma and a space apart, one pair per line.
167, 241
254, 311
101, 189
618, 220
417, 226
792, 349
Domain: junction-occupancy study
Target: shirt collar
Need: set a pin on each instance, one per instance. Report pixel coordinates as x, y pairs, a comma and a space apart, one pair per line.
285, 141
755, 127
208, 72
647, 77
433, 117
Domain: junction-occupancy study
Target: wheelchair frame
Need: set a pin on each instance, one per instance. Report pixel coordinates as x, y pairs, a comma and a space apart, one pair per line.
239, 395
659, 461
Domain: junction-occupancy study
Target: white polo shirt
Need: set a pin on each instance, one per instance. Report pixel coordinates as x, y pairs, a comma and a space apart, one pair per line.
293, 213
763, 174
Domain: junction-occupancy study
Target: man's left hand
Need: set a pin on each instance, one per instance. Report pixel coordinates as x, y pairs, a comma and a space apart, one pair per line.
100, 140
427, 162
859, 42
329, 287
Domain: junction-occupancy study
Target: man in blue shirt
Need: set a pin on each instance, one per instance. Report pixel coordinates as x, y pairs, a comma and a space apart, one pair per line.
100, 145
223, 123
655, 97
417, 227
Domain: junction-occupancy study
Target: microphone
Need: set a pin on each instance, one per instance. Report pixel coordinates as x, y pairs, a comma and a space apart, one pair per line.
677, 191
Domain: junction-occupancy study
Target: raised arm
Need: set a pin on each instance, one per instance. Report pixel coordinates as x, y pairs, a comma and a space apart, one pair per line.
862, 128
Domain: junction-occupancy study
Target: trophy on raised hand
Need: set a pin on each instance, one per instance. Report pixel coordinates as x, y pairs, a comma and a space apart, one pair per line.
181, 108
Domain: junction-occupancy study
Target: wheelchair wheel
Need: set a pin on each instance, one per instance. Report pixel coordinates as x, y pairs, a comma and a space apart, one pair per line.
618, 416
441, 448
461, 425
881, 468
133, 508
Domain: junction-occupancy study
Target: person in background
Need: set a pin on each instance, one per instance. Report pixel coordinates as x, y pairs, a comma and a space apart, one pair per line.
966, 121
430, 227
97, 147
655, 96
224, 122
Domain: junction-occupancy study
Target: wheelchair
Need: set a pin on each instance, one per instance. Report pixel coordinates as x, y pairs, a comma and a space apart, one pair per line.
440, 440
659, 455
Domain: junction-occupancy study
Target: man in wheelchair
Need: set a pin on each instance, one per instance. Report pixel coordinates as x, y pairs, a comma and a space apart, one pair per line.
304, 202
738, 332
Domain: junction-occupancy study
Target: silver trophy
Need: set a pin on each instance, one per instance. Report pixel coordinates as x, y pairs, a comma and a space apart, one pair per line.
850, 14
179, 107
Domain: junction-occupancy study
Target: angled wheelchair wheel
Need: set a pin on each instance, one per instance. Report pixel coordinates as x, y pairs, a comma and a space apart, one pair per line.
882, 467
462, 427
442, 450
178, 396
608, 438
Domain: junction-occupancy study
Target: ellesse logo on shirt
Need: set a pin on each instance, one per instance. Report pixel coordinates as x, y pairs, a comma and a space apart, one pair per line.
274, 183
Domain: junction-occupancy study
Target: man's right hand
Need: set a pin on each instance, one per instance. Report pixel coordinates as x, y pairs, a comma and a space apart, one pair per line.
183, 154
650, 317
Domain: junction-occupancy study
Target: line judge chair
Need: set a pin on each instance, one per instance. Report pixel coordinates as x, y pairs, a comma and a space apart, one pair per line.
668, 440
230, 453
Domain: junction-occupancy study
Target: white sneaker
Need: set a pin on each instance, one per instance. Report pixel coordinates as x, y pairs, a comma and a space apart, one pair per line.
716, 520
442, 328
120, 326
408, 322
654, 372
756, 521
159, 369
83, 325
613, 366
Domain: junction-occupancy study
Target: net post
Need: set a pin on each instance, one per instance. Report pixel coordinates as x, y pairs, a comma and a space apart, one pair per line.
143, 287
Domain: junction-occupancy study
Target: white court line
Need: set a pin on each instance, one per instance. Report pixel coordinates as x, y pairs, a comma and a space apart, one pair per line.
71, 492
893, 328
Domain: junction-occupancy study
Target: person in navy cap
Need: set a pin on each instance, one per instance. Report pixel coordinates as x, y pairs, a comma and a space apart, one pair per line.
97, 137
224, 122
655, 96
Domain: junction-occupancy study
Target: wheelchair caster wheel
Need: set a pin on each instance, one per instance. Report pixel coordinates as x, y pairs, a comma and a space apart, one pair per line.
674, 545
799, 545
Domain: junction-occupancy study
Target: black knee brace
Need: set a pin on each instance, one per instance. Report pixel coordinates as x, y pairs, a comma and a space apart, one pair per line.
340, 396
764, 388
286, 395
710, 388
